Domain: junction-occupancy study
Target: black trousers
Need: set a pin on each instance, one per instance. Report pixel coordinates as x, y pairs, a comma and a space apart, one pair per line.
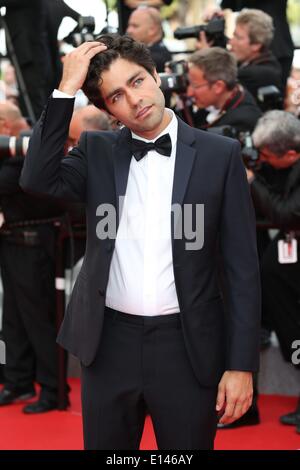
29, 328
142, 367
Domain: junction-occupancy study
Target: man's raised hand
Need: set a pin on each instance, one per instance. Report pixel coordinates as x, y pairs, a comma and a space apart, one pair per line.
76, 65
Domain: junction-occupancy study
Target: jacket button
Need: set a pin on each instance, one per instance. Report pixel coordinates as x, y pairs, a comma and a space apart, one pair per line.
101, 292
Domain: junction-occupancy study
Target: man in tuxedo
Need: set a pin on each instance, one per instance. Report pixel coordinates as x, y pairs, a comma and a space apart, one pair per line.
165, 203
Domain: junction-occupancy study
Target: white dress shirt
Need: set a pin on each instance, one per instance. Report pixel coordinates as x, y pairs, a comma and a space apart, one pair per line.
141, 278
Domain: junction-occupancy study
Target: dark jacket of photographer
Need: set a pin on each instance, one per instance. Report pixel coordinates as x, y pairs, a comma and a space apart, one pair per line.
56, 11
276, 195
240, 111
263, 71
19, 207
160, 54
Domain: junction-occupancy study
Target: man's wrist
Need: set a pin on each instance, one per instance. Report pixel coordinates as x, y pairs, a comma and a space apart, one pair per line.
60, 94
67, 89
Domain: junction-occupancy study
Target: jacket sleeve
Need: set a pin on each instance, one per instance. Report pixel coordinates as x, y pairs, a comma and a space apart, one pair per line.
280, 209
46, 170
241, 269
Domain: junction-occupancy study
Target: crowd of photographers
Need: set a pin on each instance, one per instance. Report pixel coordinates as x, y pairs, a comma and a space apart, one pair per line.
232, 87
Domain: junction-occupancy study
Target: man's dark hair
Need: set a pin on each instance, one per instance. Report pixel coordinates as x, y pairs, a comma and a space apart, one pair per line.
122, 47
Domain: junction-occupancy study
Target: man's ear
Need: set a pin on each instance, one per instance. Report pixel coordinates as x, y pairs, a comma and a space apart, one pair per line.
219, 87
256, 47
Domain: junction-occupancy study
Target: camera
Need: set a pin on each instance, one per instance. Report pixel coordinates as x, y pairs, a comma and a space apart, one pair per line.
269, 97
250, 154
83, 32
214, 31
177, 80
11, 146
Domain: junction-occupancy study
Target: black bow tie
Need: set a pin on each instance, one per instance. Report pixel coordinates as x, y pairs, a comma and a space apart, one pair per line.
140, 148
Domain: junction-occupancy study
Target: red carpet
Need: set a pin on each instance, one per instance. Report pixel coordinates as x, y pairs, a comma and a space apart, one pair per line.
62, 429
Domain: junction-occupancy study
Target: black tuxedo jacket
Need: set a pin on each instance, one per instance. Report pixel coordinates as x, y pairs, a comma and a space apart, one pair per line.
209, 171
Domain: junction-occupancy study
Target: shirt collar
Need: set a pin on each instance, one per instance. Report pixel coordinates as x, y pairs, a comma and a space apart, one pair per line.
171, 129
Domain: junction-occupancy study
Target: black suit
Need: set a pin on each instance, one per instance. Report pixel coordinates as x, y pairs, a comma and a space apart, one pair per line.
208, 171
160, 54
262, 71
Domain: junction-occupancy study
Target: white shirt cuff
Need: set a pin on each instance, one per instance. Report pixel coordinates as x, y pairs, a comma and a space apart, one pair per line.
61, 94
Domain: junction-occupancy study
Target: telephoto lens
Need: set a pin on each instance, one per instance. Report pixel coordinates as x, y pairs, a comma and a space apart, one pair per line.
11, 146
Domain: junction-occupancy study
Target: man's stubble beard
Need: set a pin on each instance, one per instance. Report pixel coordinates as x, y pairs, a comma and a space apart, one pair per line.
156, 118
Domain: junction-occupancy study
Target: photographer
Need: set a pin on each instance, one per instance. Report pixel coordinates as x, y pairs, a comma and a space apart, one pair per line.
28, 278
276, 195
145, 25
213, 83
126, 7
282, 45
257, 66
250, 44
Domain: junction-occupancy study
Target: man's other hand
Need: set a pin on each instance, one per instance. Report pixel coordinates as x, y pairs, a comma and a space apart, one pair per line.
235, 394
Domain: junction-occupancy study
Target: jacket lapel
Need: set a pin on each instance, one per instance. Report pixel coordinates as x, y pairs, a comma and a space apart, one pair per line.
185, 155
122, 158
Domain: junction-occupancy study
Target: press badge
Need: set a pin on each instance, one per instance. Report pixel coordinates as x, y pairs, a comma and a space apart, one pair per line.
287, 249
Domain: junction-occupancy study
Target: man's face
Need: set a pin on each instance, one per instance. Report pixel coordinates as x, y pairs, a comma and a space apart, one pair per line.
240, 44
134, 98
139, 26
200, 89
278, 162
13, 127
